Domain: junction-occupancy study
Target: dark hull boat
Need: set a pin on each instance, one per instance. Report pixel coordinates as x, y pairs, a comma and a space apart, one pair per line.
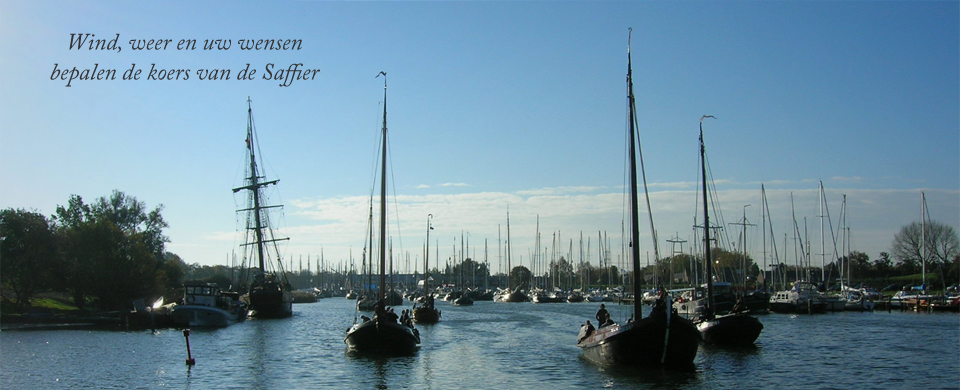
662, 339
481, 295
515, 296
427, 313
383, 336
270, 299
730, 330
270, 294
735, 327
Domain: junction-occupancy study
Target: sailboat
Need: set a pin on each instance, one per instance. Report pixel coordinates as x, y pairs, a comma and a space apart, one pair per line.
661, 338
269, 294
383, 333
735, 328
427, 313
512, 294
462, 297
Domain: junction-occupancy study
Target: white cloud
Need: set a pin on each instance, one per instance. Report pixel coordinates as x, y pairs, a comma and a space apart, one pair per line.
339, 224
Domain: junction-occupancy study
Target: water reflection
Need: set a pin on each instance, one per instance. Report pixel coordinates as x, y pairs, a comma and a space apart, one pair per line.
381, 371
615, 376
489, 345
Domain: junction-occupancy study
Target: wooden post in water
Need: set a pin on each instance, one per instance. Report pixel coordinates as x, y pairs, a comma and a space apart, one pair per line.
186, 336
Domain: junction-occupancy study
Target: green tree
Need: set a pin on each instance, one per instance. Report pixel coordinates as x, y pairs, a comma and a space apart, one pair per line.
471, 272
520, 276
113, 250
857, 265
28, 249
882, 266
953, 272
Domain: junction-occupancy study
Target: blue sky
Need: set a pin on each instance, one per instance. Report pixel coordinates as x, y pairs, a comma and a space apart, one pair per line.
492, 106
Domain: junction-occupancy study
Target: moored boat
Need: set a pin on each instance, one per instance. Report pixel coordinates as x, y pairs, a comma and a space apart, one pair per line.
803, 297
269, 293
205, 305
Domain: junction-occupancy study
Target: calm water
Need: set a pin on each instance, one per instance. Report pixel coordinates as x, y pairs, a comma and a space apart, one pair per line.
487, 346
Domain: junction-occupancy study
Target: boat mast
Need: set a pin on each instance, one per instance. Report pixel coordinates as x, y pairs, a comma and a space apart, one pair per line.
509, 269
426, 259
823, 251
923, 241
634, 196
383, 193
254, 185
708, 264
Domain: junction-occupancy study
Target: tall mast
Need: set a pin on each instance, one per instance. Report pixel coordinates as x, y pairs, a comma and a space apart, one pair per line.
708, 263
383, 193
823, 251
509, 269
634, 196
426, 259
923, 238
763, 229
253, 185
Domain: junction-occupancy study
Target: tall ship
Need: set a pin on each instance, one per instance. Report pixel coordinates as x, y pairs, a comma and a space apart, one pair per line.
269, 294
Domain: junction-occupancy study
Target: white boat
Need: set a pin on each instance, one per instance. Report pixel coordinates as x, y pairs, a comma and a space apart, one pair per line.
834, 302
857, 300
910, 298
803, 297
205, 305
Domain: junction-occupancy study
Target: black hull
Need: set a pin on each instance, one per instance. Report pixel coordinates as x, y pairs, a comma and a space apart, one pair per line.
394, 299
641, 343
731, 330
481, 295
271, 304
382, 337
516, 297
424, 315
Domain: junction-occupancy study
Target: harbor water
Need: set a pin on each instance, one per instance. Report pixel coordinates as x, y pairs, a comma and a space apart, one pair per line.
486, 346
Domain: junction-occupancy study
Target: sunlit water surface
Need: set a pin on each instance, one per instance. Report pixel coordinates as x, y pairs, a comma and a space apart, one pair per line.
486, 346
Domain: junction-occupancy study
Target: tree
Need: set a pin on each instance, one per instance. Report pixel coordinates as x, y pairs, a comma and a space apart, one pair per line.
471, 272
29, 251
520, 277
941, 242
859, 265
113, 250
953, 273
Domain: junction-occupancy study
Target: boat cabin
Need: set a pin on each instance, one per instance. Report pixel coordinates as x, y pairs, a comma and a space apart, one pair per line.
198, 293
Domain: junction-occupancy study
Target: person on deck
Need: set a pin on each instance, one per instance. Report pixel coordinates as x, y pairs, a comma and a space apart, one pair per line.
585, 331
602, 315
608, 321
